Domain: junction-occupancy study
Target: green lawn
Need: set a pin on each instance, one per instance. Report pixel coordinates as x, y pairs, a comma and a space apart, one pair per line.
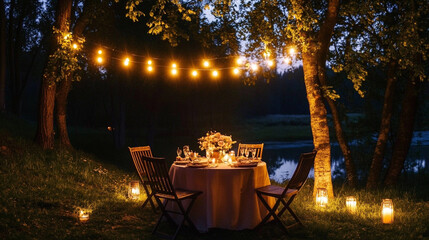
42, 191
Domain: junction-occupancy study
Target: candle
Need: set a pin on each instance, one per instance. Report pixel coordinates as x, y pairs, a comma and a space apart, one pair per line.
83, 216
213, 160
321, 197
134, 190
387, 211
351, 204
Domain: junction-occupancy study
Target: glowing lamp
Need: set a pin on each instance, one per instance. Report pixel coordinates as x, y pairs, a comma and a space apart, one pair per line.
288, 60
254, 67
83, 216
236, 71
100, 60
292, 51
149, 62
215, 73
322, 197
174, 71
351, 204
174, 65
100, 51
149, 68
74, 46
194, 73
126, 62
240, 60
134, 190
270, 63
206, 63
387, 211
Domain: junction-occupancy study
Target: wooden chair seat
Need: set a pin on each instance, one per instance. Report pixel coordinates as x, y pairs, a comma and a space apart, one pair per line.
276, 191
288, 193
181, 194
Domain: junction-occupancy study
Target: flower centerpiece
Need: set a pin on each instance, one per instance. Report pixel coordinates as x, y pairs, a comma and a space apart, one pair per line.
215, 142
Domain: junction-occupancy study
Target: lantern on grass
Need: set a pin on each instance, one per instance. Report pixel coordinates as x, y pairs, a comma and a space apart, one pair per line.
83, 216
387, 211
134, 190
351, 204
322, 197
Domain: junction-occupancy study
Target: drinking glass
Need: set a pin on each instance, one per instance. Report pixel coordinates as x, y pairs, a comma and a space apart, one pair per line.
179, 152
186, 150
242, 152
246, 152
253, 153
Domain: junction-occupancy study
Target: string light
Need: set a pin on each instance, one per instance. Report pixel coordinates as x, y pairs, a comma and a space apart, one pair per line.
215, 73
270, 63
173, 71
74, 46
149, 62
127, 62
288, 60
236, 71
149, 68
99, 59
292, 51
240, 60
254, 67
206, 63
100, 51
194, 73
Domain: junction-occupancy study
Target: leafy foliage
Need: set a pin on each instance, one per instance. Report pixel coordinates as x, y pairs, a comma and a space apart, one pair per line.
63, 64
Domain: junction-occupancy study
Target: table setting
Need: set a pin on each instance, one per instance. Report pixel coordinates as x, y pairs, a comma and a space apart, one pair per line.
228, 182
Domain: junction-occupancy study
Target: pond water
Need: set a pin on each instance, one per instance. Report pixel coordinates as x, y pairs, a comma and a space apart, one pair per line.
282, 157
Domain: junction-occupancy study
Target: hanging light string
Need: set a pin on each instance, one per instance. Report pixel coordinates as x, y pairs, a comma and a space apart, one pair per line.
240, 63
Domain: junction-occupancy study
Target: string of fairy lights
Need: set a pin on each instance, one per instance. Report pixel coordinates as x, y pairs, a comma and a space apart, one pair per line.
150, 64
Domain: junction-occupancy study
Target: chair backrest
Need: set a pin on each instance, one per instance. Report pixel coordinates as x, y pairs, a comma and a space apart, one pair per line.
259, 148
299, 177
157, 174
136, 154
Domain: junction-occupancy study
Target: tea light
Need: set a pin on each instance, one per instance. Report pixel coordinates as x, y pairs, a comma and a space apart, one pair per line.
83, 216
351, 204
134, 190
322, 197
213, 160
387, 211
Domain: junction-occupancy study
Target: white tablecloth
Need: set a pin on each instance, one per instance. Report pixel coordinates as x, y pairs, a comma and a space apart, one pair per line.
229, 200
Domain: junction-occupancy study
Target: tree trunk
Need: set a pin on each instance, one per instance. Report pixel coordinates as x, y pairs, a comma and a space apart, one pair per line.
61, 112
386, 115
65, 87
405, 133
45, 127
2, 57
319, 125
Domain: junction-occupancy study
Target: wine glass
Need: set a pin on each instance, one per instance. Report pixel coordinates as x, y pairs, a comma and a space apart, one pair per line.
186, 150
246, 152
242, 152
179, 152
253, 153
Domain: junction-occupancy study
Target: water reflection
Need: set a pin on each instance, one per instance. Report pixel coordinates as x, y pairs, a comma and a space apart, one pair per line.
282, 157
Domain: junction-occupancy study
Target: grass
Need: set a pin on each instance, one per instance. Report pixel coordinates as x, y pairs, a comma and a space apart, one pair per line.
41, 192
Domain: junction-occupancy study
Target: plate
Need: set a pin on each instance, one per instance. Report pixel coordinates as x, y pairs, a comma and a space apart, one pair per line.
181, 162
193, 165
250, 164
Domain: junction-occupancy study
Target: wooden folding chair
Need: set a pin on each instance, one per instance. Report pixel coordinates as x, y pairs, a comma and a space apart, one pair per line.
136, 154
289, 192
164, 192
259, 148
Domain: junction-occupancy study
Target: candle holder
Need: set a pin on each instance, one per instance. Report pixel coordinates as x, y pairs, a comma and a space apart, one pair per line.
322, 197
134, 190
351, 204
387, 211
83, 215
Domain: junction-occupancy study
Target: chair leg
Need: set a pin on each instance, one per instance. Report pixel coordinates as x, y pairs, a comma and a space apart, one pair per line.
149, 198
271, 211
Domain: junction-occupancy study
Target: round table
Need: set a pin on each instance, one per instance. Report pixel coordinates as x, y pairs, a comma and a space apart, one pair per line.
229, 200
